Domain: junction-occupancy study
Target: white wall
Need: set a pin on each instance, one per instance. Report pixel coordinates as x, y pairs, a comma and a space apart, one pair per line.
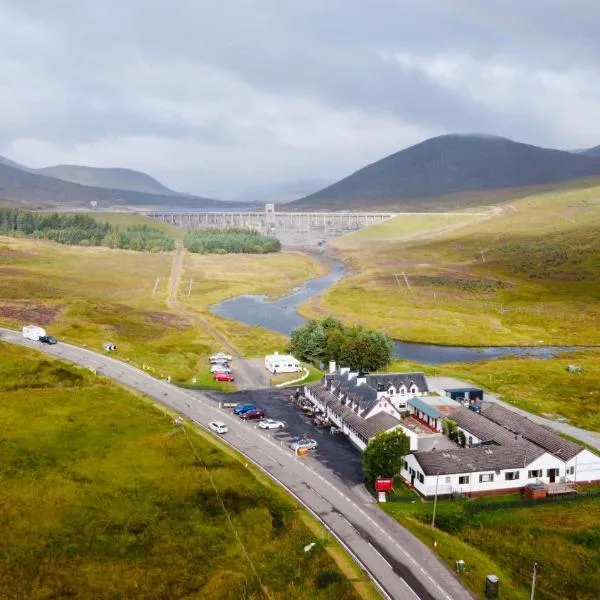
450, 483
586, 465
474, 442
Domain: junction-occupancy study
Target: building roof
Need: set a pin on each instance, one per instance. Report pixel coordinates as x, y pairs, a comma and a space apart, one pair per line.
425, 408
397, 380
369, 428
546, 439
482, 428
481, 458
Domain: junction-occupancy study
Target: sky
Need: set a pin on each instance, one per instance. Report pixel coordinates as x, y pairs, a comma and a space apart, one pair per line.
233, 98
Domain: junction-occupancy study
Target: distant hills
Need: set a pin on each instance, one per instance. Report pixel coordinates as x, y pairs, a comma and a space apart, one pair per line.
38, 188
595, 151
116, 179
418, 177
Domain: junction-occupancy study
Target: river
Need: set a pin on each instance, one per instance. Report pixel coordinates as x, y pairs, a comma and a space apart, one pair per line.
280, 315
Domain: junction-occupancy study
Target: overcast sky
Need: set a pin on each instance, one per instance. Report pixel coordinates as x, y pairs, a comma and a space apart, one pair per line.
220, 97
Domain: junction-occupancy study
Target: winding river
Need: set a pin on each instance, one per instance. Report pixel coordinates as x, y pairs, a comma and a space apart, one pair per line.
280, 315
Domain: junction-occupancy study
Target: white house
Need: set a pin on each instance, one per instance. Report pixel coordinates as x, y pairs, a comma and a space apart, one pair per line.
282, 363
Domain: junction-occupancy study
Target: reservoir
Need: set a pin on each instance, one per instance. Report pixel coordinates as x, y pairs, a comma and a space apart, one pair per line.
280, 315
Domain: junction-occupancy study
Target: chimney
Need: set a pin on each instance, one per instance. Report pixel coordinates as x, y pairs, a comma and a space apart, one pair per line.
352, 374
361, 379
344, 370
332, 366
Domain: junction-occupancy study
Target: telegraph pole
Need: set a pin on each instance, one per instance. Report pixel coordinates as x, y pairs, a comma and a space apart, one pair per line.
536, 568
437, 479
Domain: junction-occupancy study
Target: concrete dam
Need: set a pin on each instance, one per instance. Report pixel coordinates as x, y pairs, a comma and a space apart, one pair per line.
291, 228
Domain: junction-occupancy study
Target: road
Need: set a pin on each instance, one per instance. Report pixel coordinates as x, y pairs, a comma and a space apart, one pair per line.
402, 567
589, 437
247, 377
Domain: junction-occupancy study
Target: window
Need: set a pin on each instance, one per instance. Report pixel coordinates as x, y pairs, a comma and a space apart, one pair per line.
486, 478
511, 475
470, 440
570, 470
448, 479
463, 480
405, 465
535, 473
421, 477
552, 472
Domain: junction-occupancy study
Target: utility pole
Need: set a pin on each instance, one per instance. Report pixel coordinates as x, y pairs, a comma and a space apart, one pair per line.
536, 568
437, 479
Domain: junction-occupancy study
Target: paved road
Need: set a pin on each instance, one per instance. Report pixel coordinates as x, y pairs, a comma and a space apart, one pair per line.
589, 437
401, 565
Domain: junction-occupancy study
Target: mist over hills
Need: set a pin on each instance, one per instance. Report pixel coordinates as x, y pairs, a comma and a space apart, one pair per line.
25, 187
417, 177
595, 151
116, 179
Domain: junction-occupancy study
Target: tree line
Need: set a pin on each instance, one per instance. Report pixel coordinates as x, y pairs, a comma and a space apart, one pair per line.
354, 347
230, 240
82, 230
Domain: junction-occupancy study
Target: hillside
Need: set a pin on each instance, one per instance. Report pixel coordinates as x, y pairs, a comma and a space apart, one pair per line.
27, 189
116, 179
595, 151
419, 177
15, 165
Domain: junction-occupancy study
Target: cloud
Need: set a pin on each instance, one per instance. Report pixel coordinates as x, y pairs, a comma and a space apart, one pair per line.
217, 97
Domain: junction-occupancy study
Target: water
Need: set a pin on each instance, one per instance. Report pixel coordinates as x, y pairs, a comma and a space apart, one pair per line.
280, 315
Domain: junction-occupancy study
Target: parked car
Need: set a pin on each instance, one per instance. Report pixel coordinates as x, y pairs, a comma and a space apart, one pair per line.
219, 361
223, 377
242, 408
271, 424
221, 356
303, 443
224, 368
218, 427
47, 339
257, 413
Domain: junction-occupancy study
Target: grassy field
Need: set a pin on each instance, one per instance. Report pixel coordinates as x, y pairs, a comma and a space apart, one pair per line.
215, 278
526, 275
507, 540
89, 296
102, 496
132, 219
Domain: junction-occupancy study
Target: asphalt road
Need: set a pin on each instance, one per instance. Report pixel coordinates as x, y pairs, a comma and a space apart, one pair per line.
402, 567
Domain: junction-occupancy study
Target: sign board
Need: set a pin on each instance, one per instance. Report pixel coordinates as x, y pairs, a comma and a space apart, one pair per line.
384, 485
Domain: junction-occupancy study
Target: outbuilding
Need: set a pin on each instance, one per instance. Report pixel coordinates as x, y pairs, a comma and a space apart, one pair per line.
282, 363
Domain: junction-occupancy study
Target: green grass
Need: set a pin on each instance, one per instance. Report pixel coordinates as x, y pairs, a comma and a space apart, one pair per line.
102, 496
526, 275
506, 541
129, 219
542, 386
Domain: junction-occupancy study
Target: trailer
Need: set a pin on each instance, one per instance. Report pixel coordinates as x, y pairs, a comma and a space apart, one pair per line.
33, 332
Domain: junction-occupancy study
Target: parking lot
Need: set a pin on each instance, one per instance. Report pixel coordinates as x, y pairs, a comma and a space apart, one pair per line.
334, 452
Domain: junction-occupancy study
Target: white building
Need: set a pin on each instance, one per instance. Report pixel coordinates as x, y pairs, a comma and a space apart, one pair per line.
282, 363
503, 452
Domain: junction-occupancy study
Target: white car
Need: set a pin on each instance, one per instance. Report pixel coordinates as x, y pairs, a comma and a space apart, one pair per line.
221, 356
271, 424
220, 369
218, 427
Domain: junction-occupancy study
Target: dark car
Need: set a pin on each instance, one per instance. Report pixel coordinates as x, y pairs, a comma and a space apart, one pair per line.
48, 339
257, 413
238, 410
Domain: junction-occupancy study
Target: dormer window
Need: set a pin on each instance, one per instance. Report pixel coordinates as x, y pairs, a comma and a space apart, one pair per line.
391, 390
402, 390
380, 387
414, 389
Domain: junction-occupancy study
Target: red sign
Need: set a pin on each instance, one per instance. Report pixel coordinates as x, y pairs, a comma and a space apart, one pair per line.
384, 485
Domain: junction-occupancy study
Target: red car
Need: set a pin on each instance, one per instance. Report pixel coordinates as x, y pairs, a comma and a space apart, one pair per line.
223, 377
258, 413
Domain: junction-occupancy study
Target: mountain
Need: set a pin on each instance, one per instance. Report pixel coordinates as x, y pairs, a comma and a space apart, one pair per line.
15, 165
595, 151
418, 177
33, 190
116, 179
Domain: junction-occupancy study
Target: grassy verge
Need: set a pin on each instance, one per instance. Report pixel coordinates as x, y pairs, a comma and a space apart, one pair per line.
527, 275
103, 496
506, 541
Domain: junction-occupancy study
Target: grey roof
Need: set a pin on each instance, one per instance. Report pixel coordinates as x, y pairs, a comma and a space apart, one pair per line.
397, 380
363, 395
431, 411
546, 439
369, 428
482, 428
481, 458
